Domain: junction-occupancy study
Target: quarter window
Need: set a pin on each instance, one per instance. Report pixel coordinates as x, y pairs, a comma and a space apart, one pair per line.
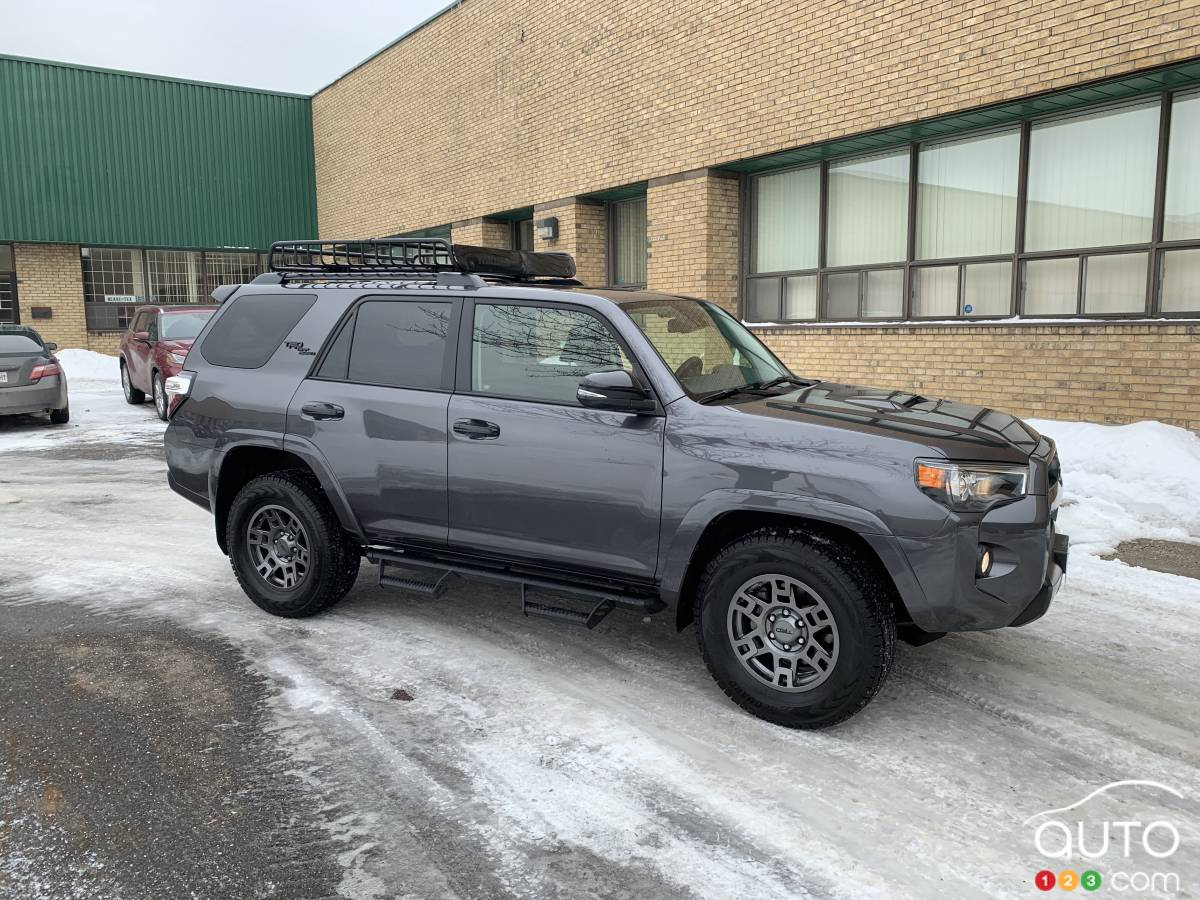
249, 331
539, 353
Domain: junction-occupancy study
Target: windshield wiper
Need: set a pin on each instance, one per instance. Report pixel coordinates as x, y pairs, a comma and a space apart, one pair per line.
788, 379
725, 393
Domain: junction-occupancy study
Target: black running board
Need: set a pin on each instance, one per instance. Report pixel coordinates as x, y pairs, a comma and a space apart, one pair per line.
443, 569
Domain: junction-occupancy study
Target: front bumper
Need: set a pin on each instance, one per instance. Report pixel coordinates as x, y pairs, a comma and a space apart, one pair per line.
31, 399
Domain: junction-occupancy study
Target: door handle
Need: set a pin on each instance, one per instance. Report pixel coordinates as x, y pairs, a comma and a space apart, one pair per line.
476, 429
321, 410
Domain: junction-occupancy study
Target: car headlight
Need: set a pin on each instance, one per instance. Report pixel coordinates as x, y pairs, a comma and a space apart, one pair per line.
177, 358
970, 486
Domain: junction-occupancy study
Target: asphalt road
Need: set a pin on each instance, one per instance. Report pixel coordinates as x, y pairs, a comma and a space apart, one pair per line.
412, 747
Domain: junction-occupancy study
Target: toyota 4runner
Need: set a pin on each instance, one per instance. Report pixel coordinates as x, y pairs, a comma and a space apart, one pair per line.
448, 411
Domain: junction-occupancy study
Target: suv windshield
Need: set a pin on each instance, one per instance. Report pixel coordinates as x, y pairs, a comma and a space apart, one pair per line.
707, 348
182, 326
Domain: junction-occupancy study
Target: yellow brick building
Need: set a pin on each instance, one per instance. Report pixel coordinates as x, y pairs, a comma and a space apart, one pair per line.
992, 201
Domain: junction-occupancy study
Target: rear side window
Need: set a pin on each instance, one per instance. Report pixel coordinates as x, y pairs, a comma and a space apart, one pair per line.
249, 332
396, 343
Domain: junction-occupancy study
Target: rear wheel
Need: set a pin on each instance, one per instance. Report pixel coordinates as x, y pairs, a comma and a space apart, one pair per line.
60, 416
159, 395
795, 628
288, 549
132, 395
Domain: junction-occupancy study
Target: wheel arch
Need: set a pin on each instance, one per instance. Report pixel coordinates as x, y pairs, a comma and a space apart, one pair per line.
243, 463
730, 524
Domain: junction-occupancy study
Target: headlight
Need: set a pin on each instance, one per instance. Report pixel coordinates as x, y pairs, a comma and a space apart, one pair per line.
970, 486
177, 358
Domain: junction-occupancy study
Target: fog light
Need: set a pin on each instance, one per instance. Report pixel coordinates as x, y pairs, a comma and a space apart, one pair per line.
985, 561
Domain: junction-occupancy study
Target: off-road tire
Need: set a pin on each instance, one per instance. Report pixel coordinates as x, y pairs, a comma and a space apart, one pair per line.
60, 416
158, 394
856, 593
132, 395
334, 556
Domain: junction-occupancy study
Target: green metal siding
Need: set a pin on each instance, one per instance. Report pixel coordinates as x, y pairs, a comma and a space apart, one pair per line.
96, 157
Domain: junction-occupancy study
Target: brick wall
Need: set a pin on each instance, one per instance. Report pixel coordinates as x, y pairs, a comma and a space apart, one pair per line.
1115, 372
582, 232
692, 227
480, 232
499, 104
51, 275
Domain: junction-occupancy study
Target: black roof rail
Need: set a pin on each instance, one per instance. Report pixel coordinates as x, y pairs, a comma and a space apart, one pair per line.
381, 257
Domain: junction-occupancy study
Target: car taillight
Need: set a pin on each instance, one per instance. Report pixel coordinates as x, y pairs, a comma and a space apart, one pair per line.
44, 370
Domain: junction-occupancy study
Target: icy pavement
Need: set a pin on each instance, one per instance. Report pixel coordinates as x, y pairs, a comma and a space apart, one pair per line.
537, 760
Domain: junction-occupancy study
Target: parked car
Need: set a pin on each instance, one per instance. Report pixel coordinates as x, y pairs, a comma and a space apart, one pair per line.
31, 380
154, 347
629, 449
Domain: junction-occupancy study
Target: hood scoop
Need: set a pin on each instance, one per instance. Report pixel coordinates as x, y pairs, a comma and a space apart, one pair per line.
894, 400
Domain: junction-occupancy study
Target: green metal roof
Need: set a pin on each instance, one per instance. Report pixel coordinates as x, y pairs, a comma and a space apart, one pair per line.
1174, 77
94, 156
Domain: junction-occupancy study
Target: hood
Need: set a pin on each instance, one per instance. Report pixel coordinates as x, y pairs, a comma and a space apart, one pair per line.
959, 430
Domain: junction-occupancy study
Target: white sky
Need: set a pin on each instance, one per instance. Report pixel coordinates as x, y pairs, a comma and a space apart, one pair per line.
295, 45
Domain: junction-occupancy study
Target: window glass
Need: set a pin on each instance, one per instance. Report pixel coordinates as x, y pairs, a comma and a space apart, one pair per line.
18, 344
935, 291
841, 295
1051, 287
230, 268
182, 326
173, 276
113, 286
800, 297
868, 210
400, 343
251, 328
967, 197
987, 289
1180, 281
539, 353
706, 348
762, 304
787, 210
1115, 283
885, 294
523, 235
6, 258
337, 359
1091, 180
8, 285
629, 241
1182, 219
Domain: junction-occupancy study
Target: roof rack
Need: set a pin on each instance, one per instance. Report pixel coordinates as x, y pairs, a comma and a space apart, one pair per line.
415, 256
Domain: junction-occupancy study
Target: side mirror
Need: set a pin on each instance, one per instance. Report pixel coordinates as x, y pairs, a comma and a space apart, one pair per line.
50, 346
619, 391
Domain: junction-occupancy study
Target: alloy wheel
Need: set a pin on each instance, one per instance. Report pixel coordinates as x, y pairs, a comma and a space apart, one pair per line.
160, 398
783, 633
126, 386
279, 547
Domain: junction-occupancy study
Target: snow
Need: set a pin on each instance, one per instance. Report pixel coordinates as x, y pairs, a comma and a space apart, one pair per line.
89, 365
535, 759
1126, 481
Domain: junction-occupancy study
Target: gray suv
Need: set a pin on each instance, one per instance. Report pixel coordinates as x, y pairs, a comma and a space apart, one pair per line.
448, 411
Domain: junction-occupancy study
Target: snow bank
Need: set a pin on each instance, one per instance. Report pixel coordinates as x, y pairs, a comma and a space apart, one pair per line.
1126, 481
88, 364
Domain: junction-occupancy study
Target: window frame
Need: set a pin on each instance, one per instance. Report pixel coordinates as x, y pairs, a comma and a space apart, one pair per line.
9, 286
1154, 248
466, 335
349, 319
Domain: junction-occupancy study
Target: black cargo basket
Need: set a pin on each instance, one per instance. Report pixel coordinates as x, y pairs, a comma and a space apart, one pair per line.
414, 256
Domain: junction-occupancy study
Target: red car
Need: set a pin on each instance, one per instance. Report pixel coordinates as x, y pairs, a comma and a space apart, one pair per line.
154, 347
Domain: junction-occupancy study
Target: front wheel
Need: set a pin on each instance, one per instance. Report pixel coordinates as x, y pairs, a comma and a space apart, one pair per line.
160, 395
287, 548
795, 628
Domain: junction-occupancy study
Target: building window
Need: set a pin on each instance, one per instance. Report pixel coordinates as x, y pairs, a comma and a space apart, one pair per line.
522, 235
1051, 217
627, 239
117, 281
9, 312
868, 210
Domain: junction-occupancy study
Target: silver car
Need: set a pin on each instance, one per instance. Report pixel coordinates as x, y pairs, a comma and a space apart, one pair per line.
31, 380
